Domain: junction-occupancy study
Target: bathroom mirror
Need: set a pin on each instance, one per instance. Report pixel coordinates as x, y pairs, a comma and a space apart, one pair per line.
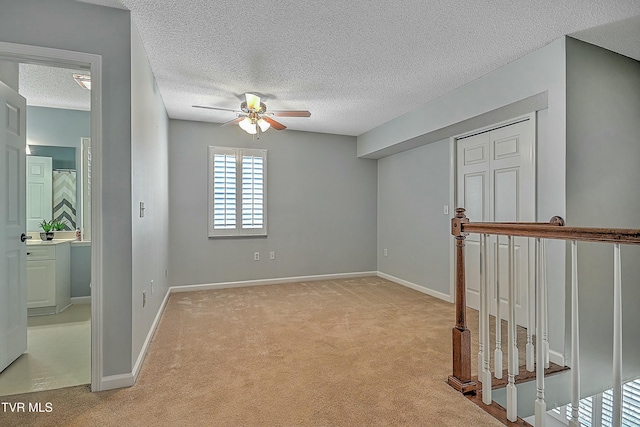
54, 186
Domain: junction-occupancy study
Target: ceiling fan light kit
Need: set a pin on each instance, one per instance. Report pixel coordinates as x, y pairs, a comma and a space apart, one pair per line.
253, 117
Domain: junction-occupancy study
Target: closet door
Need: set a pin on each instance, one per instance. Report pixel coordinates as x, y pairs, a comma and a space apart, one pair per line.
496, 183
474, 194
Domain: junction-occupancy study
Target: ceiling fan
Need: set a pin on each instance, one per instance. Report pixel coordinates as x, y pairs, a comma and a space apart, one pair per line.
253, 117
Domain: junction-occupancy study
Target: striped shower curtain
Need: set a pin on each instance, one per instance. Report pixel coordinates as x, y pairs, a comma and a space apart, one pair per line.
64, 197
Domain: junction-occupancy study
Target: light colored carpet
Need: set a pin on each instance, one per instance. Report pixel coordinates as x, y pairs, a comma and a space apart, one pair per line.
357, 352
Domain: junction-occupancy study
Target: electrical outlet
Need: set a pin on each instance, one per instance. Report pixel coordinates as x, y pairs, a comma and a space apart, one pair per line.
144, 298
272, 255
446, 210
152, 287
256, 256
385, 251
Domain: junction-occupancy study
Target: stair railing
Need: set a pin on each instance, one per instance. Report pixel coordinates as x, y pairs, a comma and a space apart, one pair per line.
461, 378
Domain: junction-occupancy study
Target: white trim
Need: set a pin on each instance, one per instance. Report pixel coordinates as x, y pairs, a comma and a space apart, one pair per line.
452, 211
260, 282
111, 382
81, 300
418, 288
557, 358
147, 341
50, 56
504, 123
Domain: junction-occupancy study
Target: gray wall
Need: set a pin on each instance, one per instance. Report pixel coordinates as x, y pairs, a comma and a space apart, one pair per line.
504, 89
603, 151
535, 82
82, 27
413, 188
321, 207
60, 128
149, 172
80, 270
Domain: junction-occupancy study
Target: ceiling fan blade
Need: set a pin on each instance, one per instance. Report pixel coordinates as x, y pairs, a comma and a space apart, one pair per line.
216, 108
253, 101
275, 125
290, 113
234, 121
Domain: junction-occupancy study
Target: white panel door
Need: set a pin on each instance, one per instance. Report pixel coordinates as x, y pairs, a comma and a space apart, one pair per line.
496, 183
473, 165
39, 191
13, 288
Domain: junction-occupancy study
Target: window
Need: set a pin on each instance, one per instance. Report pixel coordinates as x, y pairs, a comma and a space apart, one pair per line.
598, 410
237, 192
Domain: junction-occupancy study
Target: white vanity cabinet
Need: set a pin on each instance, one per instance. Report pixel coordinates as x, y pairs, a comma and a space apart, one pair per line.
48, 277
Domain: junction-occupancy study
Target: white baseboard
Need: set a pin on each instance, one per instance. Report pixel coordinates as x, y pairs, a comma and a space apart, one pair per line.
81, 300
111, 382
418, 288
245, 283
147, 341
556, 358
129, 379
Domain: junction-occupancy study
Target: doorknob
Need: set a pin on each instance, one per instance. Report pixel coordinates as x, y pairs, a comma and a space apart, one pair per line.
24, 237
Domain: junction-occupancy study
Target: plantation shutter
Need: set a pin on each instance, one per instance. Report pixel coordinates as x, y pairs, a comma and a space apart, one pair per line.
631, 404
630, 407
224, 191
237, 192
252, 191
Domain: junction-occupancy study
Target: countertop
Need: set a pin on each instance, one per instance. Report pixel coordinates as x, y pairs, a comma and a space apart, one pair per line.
35, 240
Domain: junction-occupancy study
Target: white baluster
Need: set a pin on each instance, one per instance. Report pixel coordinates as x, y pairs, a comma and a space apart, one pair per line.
484, 308
575, 342
481, 315
531, 324
545, 307
617, 337
512, 349
596, 410
498, 352
540, 405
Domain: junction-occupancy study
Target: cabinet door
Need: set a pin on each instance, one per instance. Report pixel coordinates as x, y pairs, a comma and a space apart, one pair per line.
41, 286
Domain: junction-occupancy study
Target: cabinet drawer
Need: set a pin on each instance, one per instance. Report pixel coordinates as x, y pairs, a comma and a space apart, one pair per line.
36, 252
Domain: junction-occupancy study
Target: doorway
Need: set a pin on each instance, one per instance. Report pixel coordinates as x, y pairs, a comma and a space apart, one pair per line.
93, 63
58, 273
495, 182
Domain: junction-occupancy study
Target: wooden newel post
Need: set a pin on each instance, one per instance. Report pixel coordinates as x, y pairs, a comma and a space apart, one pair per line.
461, 378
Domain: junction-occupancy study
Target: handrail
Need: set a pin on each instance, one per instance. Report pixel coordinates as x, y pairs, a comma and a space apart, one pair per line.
555, 229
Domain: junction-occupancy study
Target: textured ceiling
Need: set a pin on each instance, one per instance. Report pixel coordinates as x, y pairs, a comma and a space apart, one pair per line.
354, 64
53, 87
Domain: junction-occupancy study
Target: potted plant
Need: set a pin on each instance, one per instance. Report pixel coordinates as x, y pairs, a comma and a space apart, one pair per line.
59, 224
47, 227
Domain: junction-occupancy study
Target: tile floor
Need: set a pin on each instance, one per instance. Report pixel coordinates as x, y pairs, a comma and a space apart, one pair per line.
58, 353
